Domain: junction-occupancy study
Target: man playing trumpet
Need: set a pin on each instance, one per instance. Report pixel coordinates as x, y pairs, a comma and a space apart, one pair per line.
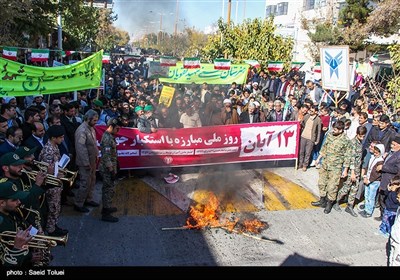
12, 166
17, 254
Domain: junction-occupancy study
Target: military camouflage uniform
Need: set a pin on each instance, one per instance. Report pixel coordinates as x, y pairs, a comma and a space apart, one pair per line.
108, 147
51, 154
335, 156
355, 154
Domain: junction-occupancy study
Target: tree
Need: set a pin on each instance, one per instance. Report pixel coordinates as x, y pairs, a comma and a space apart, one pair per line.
80, 23
349, 30
253, 39
394, 83
21, 21
105, 37
384, 20
358, 10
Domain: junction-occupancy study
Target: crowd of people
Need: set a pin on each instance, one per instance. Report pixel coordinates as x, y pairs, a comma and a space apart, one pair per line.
352, 138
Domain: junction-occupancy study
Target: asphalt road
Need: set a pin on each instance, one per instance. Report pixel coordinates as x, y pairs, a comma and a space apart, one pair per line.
297, 233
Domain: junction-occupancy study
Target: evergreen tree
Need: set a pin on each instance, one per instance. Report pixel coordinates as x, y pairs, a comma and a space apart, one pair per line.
355, 10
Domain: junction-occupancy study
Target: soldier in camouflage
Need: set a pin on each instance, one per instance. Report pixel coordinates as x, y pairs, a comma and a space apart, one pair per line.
108, 168
334, 153
350, 186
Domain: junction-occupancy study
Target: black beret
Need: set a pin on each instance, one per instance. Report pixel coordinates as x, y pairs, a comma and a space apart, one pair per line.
55, 131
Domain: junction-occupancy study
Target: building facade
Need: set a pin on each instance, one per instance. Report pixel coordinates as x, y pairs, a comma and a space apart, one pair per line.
290, 14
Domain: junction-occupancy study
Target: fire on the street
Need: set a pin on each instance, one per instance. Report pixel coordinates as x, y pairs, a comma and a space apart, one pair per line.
208, 215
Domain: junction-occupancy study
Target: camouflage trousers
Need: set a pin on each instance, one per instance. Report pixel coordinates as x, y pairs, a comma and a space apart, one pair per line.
350, 188
108, 189
328, 183
53, 197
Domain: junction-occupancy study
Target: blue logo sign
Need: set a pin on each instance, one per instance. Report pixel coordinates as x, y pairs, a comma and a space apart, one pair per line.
333, 63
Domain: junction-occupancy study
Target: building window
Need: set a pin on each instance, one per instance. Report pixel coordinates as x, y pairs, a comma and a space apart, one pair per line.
271, 10
282, 9
309, 4
341, 6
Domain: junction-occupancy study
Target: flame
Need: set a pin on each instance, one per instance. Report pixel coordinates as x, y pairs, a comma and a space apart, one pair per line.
207, 214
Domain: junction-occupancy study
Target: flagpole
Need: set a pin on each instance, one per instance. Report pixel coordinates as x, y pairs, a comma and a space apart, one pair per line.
59, 33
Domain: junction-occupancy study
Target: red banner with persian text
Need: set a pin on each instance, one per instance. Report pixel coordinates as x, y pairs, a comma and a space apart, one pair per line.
206, 145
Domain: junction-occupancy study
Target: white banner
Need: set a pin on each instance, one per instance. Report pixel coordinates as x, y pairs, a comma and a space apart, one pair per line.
335, 67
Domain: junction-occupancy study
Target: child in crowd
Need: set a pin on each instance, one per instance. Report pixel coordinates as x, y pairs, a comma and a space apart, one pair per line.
391, 205
372, 179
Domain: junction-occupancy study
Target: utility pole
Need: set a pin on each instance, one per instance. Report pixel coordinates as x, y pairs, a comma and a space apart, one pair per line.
229, 11
176, 18
228, 20
59, 29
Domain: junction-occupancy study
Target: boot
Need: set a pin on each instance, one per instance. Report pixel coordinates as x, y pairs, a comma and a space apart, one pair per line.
109, 210
321, 202
328, 207
349, 209
336, 206
109, 218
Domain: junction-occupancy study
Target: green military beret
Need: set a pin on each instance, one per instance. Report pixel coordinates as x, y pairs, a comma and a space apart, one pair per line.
8, 190
138, 108
148, 108
25, 151
98, 103
11, 159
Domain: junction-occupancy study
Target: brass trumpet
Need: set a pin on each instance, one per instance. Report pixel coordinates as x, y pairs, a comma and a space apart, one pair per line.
67, 175
50, 179
38, 241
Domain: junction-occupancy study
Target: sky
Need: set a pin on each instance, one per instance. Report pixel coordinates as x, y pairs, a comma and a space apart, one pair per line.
139, 17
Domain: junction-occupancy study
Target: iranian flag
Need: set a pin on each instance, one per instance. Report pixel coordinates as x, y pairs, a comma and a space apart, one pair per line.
253, 63
191, 62
40, 55
10, 53
67, 53
168, 61
317, 68
106, 58
297, 65
275, 66
222, 64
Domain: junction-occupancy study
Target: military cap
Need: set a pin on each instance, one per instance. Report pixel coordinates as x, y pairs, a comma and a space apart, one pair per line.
114, 122
24, 151
11, 159
148, 108
8, 190
98, 103
55, 131
138, 108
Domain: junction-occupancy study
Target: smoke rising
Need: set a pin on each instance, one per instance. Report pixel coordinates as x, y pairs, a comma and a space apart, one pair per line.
143, 16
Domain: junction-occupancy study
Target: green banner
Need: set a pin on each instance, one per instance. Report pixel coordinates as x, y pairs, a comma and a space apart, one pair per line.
179, 75
18, 79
